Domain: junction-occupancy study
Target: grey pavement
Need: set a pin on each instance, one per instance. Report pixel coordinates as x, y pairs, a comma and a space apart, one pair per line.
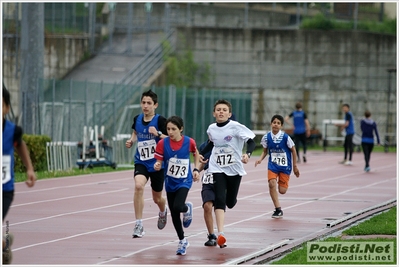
111, 65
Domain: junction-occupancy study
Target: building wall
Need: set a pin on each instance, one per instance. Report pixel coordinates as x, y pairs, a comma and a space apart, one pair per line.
323, 69
62, 54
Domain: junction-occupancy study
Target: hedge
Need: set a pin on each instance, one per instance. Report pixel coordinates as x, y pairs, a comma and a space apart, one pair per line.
37, 150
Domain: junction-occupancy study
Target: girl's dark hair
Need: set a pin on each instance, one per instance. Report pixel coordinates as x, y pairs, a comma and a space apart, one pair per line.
151, 94
6, 96
176, 120
367, 114
279, 117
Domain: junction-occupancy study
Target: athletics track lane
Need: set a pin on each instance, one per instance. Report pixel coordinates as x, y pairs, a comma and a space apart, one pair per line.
89, 219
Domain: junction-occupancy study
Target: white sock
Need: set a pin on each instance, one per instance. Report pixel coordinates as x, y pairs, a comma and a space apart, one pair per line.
139, 222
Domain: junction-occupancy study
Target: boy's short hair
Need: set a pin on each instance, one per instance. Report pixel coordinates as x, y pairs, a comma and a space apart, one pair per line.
223, 101
298, 105
151, 94
279, 117
346, 105
6, 96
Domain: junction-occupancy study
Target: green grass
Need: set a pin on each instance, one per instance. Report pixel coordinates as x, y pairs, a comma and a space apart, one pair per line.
21, 177
384, 223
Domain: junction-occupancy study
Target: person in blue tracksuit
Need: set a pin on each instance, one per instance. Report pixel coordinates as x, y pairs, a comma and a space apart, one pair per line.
174, 152
301, 129
368, 127
349, 128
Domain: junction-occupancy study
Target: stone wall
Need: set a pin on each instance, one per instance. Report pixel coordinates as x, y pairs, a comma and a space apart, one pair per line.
62, 54
323, 69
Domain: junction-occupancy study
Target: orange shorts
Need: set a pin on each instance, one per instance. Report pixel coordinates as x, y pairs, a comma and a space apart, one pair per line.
282, 178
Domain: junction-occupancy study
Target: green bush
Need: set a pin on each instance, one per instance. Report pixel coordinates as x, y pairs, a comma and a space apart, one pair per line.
321, 22
37, 150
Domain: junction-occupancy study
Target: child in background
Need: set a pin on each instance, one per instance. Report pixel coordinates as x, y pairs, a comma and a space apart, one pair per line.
368, 126
174, 152
282, 157
12, 139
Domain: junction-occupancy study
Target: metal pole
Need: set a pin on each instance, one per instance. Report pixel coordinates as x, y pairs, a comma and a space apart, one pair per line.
386, 145
355, 16
70, 110
148, 32
298, 10
52, 112
129, 28
246, 15
189, 14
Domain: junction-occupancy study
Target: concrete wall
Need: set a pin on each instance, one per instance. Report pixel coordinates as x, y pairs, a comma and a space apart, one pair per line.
321, 68
62, 54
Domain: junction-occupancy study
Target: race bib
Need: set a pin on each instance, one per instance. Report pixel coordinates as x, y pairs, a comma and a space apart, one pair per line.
178, 168
280, 159
146, 149
207, 178
224, 156
6, 168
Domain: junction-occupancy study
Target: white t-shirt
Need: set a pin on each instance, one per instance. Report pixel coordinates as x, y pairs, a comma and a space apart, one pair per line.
228, 143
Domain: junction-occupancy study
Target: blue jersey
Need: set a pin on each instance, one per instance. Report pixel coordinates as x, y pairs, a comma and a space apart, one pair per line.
146, 143
279, 154
350, 129
299, 117
177, 166
8, 156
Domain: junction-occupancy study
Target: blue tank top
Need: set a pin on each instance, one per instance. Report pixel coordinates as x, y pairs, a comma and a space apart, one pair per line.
146, 143
351, 127
299, 121
279, 154
177, 166
8, 156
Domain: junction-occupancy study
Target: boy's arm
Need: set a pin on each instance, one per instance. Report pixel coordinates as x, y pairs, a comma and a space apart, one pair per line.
23, 152
197, 165
133, 138
262, 156
294, 161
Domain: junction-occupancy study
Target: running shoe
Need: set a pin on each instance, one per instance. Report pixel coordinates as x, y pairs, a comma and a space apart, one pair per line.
277, 214
138, 231
348, 163
304, 158
162, 219
342, 161
182, 247
221, 241
367, 169
188, 216
211, 240
7, 253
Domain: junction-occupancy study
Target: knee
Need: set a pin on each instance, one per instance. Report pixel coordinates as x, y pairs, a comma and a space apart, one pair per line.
282, 190
157, 198
231, 204
139, 188
208, 207
272, 184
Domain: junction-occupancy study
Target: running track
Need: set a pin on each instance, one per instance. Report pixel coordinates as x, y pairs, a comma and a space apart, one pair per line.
89, 219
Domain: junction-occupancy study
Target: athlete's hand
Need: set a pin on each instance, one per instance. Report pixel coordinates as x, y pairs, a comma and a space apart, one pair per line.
153, 130
157, 166
259, 161
129, 143
296, 171
244, 158
196, 176
31, 178
202, 159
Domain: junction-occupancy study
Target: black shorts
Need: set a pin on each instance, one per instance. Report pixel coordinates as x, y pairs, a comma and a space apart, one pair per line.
157, 178
8, 197
207, 193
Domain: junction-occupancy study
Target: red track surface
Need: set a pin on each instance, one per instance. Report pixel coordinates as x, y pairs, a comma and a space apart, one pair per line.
89, 219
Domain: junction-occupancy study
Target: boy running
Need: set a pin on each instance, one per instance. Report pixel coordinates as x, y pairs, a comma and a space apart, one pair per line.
282, 157
226, 141
148, 128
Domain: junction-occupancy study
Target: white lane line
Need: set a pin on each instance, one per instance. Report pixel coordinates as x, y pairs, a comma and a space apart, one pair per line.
70, 197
